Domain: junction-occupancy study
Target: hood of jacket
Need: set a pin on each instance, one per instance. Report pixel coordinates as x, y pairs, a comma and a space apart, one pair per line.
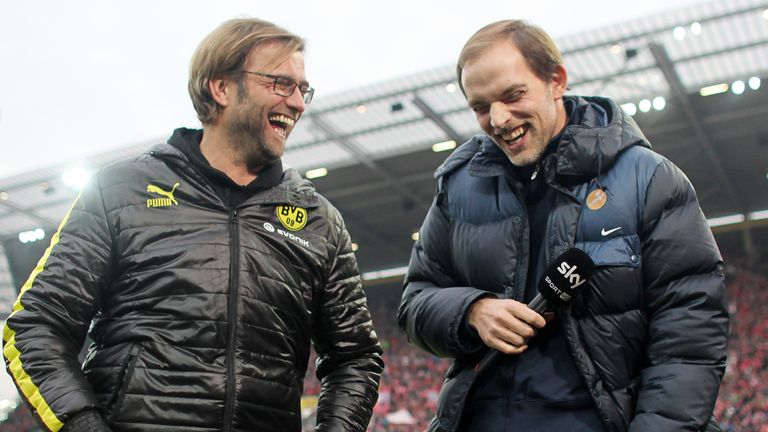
293, 188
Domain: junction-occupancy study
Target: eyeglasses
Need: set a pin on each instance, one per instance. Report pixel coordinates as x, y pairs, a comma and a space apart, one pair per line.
285, 86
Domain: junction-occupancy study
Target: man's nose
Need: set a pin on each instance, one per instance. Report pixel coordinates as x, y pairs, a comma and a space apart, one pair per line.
296, 102
499, 116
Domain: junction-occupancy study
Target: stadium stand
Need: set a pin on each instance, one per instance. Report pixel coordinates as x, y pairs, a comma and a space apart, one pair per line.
743, 401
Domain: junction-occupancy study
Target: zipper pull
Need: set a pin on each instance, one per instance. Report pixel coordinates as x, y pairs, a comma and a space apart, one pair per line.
536, 171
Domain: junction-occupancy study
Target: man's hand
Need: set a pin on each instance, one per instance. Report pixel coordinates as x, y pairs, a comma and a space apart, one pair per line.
504, 325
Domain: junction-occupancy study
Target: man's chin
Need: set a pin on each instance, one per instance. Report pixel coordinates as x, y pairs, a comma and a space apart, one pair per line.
525, 158
521, 161
261, 159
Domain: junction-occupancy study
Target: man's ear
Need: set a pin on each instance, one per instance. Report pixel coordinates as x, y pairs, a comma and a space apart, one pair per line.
559, 81
219, 88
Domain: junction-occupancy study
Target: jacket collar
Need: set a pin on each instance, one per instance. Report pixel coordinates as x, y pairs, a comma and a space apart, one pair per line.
292, 188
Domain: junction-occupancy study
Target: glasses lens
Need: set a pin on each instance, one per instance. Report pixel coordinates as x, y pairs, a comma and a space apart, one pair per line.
308, 93
284, 86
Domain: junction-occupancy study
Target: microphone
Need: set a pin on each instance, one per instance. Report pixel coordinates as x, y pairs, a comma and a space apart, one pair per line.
563, 279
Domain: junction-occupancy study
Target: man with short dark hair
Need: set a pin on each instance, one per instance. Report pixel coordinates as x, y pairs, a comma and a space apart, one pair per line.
643, 349
203, 269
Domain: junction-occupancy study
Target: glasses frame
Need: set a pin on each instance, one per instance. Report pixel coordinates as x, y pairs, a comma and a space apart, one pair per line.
285, 87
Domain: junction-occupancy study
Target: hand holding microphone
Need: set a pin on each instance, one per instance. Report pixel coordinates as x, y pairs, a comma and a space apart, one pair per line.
506, 325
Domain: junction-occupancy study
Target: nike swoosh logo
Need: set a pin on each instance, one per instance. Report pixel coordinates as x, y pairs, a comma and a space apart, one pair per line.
605, 232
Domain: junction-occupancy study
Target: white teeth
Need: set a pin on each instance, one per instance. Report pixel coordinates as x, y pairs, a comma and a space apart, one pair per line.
515, 133
282, 118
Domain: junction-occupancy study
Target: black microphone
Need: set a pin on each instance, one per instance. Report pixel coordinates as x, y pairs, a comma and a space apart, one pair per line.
562, 280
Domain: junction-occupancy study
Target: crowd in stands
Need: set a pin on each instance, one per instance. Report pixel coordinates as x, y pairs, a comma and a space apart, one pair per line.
412, 378
743, 401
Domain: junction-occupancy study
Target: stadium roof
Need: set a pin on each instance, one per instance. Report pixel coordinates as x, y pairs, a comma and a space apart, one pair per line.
376, 142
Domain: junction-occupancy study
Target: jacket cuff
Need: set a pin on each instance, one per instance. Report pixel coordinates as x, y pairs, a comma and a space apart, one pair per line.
468, 338
86, 421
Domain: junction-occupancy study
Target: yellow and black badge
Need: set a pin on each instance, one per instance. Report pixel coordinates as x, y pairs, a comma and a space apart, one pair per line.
293, 218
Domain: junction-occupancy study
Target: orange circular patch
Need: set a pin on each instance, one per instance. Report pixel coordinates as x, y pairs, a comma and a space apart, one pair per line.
596, 199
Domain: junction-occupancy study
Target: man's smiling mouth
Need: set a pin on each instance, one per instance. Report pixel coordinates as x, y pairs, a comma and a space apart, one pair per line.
515, 134
280, 123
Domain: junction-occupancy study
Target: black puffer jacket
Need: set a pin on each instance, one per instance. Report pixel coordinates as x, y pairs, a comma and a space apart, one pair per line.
203, 314
648, 338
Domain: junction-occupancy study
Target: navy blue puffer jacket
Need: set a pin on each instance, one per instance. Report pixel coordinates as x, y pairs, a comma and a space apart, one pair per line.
648, 337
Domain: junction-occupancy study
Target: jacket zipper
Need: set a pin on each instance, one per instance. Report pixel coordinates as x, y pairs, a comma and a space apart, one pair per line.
518, 293
234, 269
126, 373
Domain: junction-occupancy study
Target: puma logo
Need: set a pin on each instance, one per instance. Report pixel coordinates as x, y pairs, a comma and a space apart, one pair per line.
168, 201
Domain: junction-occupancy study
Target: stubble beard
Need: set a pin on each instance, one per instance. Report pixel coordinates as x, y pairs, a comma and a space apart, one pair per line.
530, 157
248, 136
530, 154
537, 144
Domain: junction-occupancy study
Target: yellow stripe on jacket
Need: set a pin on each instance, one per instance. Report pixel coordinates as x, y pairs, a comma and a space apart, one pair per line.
12, 355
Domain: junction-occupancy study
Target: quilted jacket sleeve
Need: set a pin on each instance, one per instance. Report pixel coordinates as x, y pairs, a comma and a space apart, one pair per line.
686, 307
349, 364
434, 304
49, 321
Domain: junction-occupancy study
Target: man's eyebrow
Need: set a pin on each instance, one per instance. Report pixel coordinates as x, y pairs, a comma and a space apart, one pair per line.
512, 88
301, 83
506, 91
473, 102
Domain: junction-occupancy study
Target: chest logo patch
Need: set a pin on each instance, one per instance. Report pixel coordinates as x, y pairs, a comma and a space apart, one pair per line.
166, 198
293, 218
596, 199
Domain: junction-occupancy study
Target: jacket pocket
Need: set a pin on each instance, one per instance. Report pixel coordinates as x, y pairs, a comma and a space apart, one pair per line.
621, 251
127, 367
